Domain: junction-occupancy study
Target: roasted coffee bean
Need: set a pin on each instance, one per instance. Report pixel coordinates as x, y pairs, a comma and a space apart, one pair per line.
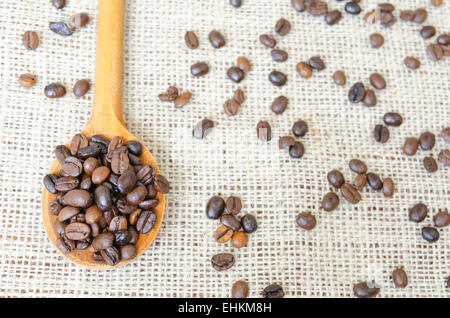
248, 223
441, 219
279, 105
215, 207
365, 290
374, 181
27, 80
282, 27
124, 207
279, 55
79, 20
430, 234
437, 3
97, 257
235, 74
78, 198
81, 87
67, 213
264, 131
356, 93
444, 157
191, 40
65, 244
50, 183
370, 98
54, 207
182, 100
420, 15
93, 215
65, 184
418, 212
30, 40
239, 239
277, 78
350, 194
145, 222
372, 16
304, 70
169, 95
427, 140
298, 5
90, 151
223, 234
233, 205
135, 216
386, 7
430, 164
102, 196
306, 220
61, 28
388, 187
59, 4
317, 63
435, 52
333, 17
60, 227
376, 40
393, 119
300, 128
110, 255
120, 162
236, 3
377, 81
230, 222
352, 8
297, 150
387, 19
244, 64
427, 31
55, 90
216, 39
445, 134
100, 175
118, 223
72, 166
330, 201
202, 128
411, 62
78, 141
127, 182
410, 146
231, 107
267, 40
286, 142
239, 96
335, 178
146, 174
239, 290
77, 231
222, 261
273, 291
407, 15
360, 181
400, 278
149, 204
161, 184
339, 78
137, 195
357, 166
199, 69
128, 252
381, 133
443, 39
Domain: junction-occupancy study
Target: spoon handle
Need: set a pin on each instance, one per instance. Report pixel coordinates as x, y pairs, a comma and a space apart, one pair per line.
107, 108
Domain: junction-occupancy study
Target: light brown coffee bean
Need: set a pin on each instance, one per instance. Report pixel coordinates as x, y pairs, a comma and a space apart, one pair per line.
27, 80
411, 62
441, 219
239, 239
223, 234
376, 40
239, 96
360, 181
339, 78
304, 70
400, 278
244, 64
231, 107
30, 40
282, 27
377, 81
182, 99
169, 95
388, 187
191, 40
350, 193
410, 146
239, 290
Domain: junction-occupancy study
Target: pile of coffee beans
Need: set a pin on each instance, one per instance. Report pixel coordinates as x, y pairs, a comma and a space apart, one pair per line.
305, 69
296, 148
420, 211
171, 95
105, 197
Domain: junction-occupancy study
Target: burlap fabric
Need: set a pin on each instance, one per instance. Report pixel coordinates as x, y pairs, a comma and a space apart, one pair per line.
353, 243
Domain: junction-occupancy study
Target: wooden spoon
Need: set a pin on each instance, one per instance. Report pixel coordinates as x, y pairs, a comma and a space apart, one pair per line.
106, 119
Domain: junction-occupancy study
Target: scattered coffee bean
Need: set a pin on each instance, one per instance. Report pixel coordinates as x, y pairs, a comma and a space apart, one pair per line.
370, 98
430, 164
279, 55
350, 193
279, 105
427, 31
239, 239
333, 17
387, 19
392, 119
239, 290
411, 62
388, 187
444, 157
50, 183
434, 52
407, 15
282, 27
300, 128
317, 63
223, 234
79, 20
267, 40
445, 134
360, 181
430, 234
376, 40
223, 261
418, 212
81, 87
191, 40
235, 74
231, 107
55, 90
30, 40
304, 70
357, 166
286, 142
427, 140
244, 64
273, 291
248, 223
216, 39
339, 78
306, 220
298, 5
59, 4
437, 3
381, 134
264, 131
335, 178
239, 96
352, 8
443, 39
400, 278
27, 80
202, 128
374, 181
169, 95
61, 28
330, 201
420, 15
297, 150
182, 100
215, 207
377, 81
199, 69
277, 78
356, 93
386, 7
372, 16
233, 205
236, 3
365, 290
441, 219
230, 222
316, 7
410, 146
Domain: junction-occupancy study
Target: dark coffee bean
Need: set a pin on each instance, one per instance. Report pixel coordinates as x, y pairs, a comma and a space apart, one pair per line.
77, 231
286, 142
330, 201
411, 62
365, 290
102, 197
273, 291
427, 31
267, 40
79, 20
152, 193
128, 252
59, 4
239, 239
230, 222
279, 105
30, 40
244, 64
50, 183
393, 119
191, 40
223, 261
97, 257
381, 133
27, 80
387, 19
202, 128
443, 39
350, 193
377, 81
357, 166
223, 234
54, 208
279, 55
430, 234
248, 223
89, 151
298, 5
376, 40
169, 95
277, 78
370, 98
352, 8
145, 222
374, 181
407, 15
264, 131
118, 223
110, 255
81, 87
335, 178
148, 204
444, 157
441, 219
360, 181
61, 153
61, 28
316, 7
236, 3
239, 290
430, 164
161, 184
333, 17
65, 244
199, 69
216, 39
146, 175
93, 215
78, 198
55, 90
356, 93
300, 128
400, 278
65, 184
306, 220
386, 7
137, 195
215, 207
304, 70
297, 150
182, 100
282, 27
78, 141
127, 182
418, 212
233, 205
427, 140
67, 213
134, 147
420, 15
445, 134
72, 166
410, 146
339, 78
388, 187
239, 96
98, 139
317, 63
434, 52
60, 227
235, 74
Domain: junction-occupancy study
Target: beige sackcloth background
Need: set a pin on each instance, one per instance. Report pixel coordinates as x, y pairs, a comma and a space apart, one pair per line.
353, 243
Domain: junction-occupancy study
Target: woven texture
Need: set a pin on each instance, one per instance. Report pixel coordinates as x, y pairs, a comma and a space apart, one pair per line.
351, 244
